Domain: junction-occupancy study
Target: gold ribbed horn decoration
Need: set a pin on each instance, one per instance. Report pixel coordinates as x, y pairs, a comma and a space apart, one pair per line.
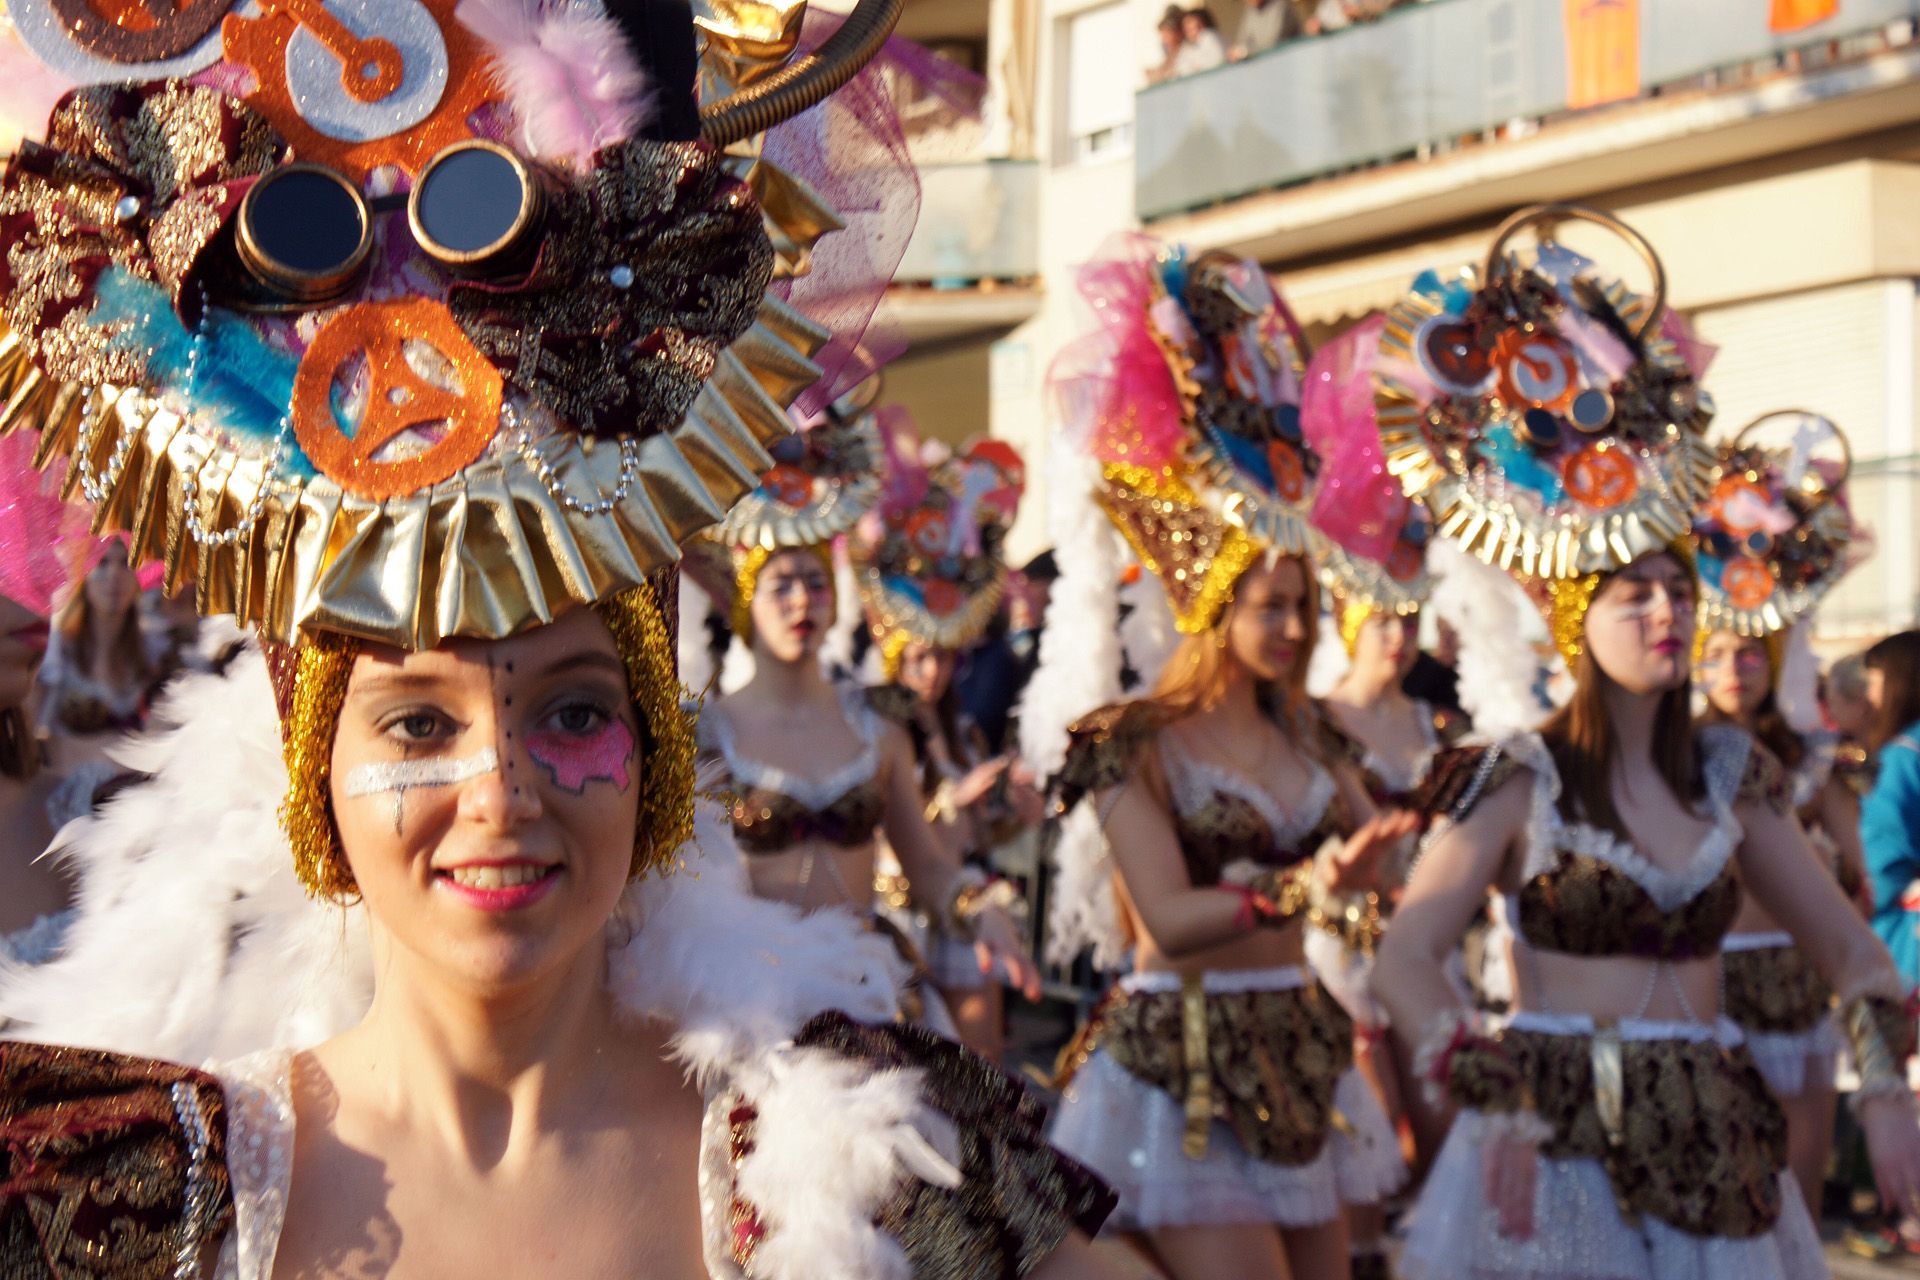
806, 80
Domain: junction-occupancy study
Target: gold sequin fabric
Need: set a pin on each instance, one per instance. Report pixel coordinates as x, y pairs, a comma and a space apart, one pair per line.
113, 1167
1773, 989
136, 177
646, 646
1018, 1198
1196, 554
1104, 748
310, 686
1275, 1058
1588, 907
1702, 1141
654, 262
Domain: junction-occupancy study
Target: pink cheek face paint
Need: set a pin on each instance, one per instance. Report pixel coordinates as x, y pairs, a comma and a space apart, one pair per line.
572, 760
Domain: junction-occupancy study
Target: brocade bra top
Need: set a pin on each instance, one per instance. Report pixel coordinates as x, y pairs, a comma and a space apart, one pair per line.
1222, 819
1390, 784
773, 809
1586, 891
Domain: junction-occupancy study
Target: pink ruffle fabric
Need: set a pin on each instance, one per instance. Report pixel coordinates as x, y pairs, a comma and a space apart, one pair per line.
1359, 506
852, 150
1112, 387
46, 545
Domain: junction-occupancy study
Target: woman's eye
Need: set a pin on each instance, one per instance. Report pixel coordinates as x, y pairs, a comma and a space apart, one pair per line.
579, 718
414, 726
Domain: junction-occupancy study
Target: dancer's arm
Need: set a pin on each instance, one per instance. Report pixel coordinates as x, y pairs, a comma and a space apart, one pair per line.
933, 866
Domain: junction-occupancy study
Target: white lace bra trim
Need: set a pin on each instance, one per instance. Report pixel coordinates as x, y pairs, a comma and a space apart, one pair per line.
1395, 778
1195, 782
1548, 837
814, 793
259, 1090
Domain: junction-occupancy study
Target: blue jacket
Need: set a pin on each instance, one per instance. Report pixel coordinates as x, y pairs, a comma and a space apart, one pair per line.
1890, 831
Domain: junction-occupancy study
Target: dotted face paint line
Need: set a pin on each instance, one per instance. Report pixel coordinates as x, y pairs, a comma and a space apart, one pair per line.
401, 776
572, 761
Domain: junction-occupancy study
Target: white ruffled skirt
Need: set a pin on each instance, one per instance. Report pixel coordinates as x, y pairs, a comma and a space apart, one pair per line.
1130, 1133
1579, 1232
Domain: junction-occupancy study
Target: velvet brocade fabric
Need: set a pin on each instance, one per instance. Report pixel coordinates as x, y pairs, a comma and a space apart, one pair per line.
1702, 1142
1106, 749
769, 821
102, 1176
1773, 990
1274, 1058
1018, 1198
1585, 907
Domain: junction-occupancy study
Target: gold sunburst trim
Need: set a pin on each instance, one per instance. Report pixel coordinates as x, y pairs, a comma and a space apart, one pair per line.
1566, 544
490, 552
1365, 584
761, 520
893, 614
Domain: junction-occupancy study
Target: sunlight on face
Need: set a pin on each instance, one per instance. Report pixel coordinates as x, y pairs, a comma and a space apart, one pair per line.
792, 606
1270, 619
486, 794
1640, 626
1735, 673
927, 670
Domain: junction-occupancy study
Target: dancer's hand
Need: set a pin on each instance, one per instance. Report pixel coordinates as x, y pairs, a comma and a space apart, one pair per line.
978, 781
997, 940
1893, 1143
1511, 1163
1356, 864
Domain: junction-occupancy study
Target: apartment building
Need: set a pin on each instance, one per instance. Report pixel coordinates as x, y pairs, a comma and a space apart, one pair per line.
1777, 172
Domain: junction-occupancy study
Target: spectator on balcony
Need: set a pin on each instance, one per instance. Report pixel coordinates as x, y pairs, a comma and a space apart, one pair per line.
1264, 24
1173, 39
1204, 49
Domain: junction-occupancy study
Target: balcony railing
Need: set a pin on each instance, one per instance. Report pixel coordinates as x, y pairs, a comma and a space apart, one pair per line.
1421, 76
978, 221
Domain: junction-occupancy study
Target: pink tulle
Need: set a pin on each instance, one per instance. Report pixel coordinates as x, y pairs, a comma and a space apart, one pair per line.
1111, 388
46, 545
1697, 352
568, 72
852, 150
1359, 505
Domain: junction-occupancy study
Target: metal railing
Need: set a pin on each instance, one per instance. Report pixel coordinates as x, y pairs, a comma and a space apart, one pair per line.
978, 221
1422, 76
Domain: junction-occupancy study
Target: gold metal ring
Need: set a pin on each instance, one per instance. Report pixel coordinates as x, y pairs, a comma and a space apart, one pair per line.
1551, 213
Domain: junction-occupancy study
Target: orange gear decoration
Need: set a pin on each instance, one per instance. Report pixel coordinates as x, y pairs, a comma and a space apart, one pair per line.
1601, 478
1725, 503
397, 400
1289, 474
1536, 369
1747, 583
260, 45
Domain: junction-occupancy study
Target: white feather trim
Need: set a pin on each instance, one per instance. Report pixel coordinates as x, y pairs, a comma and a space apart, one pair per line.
829, 1137
849, 615
1148, 633
697, 666
1500, 671
1330, 662
1798, 690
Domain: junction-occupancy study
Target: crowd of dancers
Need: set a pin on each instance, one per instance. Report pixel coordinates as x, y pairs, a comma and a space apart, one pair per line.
562, 849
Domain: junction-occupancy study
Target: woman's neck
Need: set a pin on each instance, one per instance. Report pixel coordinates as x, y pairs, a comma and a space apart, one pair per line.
484, 1068
1369, 687
1632, 716
102, 650
1239, 704
789, 683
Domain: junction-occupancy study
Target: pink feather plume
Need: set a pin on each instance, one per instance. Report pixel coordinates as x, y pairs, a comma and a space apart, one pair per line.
567, 71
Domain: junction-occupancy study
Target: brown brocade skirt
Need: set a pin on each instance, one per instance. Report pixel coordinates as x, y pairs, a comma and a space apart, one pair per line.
1232, 1100
1684, 1125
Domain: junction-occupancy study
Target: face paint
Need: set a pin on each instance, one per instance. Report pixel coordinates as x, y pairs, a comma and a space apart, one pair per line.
401, 776
572, 760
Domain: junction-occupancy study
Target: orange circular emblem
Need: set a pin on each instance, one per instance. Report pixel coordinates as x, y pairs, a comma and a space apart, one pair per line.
1738, 505
1289, 477
1747, 583
1536, 370
375, 337
1600, 478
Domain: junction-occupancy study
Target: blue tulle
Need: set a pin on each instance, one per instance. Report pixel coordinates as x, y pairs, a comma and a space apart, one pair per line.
1519, 464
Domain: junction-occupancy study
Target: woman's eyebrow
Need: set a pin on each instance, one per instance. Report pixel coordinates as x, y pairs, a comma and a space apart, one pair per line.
587, 660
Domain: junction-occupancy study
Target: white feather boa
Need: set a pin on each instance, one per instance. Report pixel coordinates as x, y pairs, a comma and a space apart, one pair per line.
1500, 671
194, 942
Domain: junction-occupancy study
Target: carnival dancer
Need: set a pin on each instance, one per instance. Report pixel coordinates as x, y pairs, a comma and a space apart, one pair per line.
931, 568
1214, 1086
1773, 537
1614, 1126
561, 1011
811, 828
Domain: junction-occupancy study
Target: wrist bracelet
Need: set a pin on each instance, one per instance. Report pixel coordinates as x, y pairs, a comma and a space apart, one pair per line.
1881, 1032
